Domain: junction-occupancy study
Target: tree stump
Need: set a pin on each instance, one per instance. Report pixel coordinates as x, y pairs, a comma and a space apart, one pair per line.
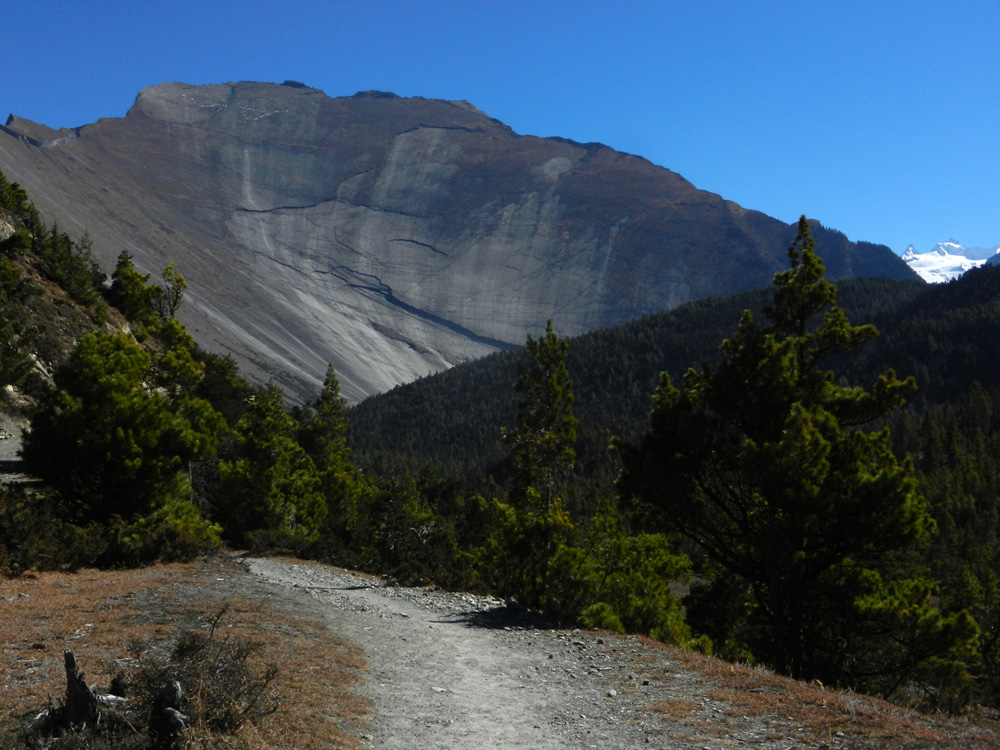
81, 703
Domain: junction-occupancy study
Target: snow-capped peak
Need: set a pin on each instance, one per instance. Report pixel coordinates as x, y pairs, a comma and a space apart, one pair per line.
947, 260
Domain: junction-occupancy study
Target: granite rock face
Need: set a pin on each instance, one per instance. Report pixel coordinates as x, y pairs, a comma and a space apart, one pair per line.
392, 237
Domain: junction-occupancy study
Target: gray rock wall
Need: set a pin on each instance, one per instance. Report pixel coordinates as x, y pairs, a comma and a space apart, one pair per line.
392, 237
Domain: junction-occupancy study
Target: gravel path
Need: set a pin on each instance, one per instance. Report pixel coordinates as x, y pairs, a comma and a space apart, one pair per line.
454, 670
450, 670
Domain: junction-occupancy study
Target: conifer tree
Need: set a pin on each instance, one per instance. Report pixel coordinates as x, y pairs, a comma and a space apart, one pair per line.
324, 434
761, 464
110, 437
544, 431
169, 297
531, 527
130, 292
268, 482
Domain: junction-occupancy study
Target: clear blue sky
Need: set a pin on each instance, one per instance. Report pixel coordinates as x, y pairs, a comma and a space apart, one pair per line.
880, 119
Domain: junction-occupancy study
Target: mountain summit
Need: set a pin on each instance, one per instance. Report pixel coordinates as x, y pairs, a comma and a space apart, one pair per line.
391, 236
948, 260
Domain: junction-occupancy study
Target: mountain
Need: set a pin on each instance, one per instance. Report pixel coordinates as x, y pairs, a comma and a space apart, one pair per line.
948, 260
392, 237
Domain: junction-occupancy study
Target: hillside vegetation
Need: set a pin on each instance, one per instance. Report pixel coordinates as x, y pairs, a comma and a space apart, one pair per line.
818, 514
614, 373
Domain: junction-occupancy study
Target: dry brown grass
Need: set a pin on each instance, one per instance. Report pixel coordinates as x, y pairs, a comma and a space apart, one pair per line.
89, 612
739, 695
675, 709
101, 616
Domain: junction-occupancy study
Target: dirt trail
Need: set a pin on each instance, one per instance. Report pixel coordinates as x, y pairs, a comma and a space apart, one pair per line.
449, 670
452, 670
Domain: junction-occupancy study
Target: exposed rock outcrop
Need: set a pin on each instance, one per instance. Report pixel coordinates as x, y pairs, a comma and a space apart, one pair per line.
392, 237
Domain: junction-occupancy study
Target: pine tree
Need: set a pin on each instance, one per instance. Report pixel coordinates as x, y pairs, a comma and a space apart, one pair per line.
268, 482
110, 438
544, 431
130, 292
324, 434
530, 529
761, 464
169, 297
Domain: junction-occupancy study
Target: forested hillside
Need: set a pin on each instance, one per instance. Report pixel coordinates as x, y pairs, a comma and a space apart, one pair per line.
762, 484
940, 334
453, 419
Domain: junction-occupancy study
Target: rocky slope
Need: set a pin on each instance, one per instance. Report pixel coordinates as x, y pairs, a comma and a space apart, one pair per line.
392, 237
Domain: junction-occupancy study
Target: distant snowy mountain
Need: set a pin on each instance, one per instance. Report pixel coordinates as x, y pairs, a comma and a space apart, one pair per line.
948, 260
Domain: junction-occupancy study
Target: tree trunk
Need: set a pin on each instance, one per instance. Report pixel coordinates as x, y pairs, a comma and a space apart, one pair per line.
81, 703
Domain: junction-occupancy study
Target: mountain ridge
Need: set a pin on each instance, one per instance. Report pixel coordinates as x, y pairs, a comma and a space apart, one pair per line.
393, 237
